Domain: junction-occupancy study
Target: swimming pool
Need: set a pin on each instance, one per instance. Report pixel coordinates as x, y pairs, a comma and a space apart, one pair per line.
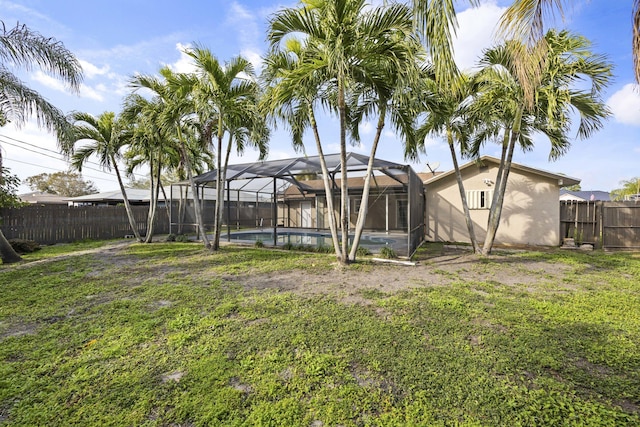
312, 238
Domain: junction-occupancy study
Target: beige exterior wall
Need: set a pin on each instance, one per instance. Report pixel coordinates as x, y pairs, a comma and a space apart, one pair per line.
530, 214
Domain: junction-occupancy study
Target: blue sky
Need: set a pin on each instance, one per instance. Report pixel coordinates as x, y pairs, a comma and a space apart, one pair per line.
116, 39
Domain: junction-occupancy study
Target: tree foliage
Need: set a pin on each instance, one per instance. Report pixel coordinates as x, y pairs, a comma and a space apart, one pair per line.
67, 184
8, 187
628, 187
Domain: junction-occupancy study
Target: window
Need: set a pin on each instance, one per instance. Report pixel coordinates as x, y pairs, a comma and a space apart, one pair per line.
356, 205
479, 199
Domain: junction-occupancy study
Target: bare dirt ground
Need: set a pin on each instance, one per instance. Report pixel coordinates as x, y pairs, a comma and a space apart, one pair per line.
453, 265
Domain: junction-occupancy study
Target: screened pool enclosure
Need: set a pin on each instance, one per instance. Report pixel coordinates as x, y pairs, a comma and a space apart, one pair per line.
288, 197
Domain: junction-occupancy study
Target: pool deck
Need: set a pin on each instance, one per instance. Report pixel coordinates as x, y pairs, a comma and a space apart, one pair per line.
397, 240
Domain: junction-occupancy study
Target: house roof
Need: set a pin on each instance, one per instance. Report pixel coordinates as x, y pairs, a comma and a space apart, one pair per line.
39, 197
135, 195
563, 180
585, 195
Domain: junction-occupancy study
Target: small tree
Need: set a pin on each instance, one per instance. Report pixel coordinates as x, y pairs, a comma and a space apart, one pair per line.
628, 187
67, 184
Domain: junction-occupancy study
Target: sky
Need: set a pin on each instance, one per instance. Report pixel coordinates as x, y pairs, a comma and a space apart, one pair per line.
116, 39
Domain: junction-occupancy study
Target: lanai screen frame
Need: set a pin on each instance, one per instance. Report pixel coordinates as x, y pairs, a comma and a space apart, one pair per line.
287, 169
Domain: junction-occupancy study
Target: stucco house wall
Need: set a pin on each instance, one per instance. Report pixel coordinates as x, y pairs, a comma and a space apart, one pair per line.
530, 214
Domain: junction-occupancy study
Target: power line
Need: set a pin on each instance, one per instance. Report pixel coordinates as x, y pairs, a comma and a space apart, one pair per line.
38, 147
59, 156
54, 169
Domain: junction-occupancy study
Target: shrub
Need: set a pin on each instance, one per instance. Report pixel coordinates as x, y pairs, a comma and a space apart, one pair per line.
288, 246
171, 238
363, 251
387, 252
182, 238
259, 244
23, 246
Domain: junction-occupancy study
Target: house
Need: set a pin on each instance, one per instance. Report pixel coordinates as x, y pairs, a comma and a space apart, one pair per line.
530, 213
42, 198
136, 196
584, 196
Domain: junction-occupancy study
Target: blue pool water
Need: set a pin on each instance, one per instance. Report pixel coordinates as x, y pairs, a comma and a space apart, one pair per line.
310, 238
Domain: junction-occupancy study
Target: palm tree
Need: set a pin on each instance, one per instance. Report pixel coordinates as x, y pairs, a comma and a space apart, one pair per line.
293, 101
226, 98
347, 47
568, 61
105, 136
150, 145
447, 114
21, 47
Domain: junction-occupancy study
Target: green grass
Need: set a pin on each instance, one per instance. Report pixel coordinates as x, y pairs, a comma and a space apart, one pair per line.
166, 334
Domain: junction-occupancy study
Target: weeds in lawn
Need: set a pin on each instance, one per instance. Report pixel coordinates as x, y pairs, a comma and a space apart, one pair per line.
161, 334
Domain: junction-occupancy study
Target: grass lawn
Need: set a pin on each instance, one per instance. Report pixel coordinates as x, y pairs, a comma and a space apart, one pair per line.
169, 334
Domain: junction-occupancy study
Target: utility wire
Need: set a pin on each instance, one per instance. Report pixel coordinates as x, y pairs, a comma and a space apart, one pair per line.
54, 169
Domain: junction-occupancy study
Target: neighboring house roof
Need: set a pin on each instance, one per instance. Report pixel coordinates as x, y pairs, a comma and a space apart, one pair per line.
563, 180
135, 195
584, 196
39, 197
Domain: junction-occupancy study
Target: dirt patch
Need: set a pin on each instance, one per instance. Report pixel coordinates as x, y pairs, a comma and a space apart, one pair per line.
444, 270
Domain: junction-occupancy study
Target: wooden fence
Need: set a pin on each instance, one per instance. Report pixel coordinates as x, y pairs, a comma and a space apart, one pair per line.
607, 225
50, 224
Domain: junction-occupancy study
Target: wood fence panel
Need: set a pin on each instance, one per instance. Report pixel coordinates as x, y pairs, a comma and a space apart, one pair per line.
50, 224
608, 225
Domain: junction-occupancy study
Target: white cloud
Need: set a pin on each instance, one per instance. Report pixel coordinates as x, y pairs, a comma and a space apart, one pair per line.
254, 57
366, 128
625, 105
49, 81
476, 28
91, 93
245, 25
184, 64
90, 71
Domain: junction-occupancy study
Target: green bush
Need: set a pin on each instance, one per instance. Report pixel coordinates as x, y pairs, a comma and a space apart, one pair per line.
182, 238
259, 244
171, 238
387, 252
23, 246
363, 251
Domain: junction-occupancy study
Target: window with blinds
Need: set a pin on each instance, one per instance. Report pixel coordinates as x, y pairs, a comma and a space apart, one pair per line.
479, 199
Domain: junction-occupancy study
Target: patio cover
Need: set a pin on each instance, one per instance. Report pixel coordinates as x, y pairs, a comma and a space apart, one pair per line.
289, 169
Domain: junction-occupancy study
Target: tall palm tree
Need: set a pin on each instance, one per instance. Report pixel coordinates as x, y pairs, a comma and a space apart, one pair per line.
22, 47
224, 93
294, 102
447, 114
348, 46
150, 145
568, 62
104, 137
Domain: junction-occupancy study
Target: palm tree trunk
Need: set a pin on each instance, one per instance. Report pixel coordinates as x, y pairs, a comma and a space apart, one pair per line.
498, 200
197, 207
344, 187
166, 200
328, 191
463, 194
364, 203
223, 176
7, 254
219, 198
127, 204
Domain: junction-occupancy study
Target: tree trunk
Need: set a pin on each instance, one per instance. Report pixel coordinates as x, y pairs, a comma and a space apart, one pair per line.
344, 187
197, 207
223, 177
7, 254
498, 200
127, 205
327, 185
364, 203
219, 197
155, 191
463, 194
